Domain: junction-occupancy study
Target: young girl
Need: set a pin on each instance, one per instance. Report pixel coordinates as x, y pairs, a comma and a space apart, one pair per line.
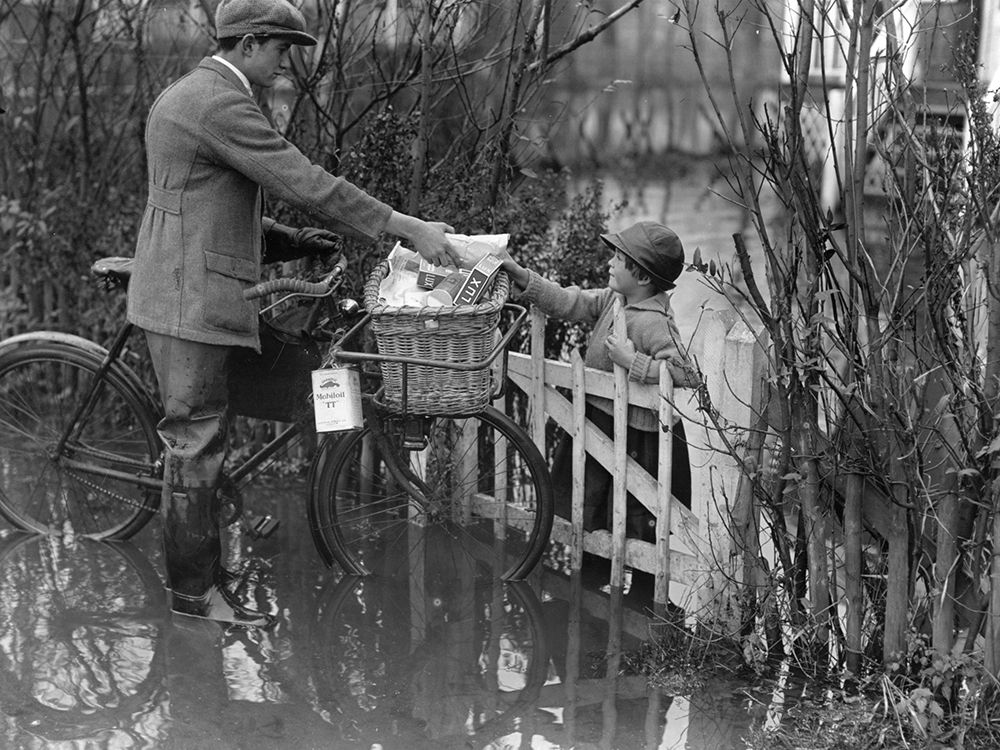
648, 257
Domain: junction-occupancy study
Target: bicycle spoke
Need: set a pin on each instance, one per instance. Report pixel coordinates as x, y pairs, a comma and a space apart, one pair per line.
466, 476
40, 491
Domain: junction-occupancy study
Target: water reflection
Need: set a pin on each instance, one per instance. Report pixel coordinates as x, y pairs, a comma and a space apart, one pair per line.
81, 655
413, 665
441, 655
91, 657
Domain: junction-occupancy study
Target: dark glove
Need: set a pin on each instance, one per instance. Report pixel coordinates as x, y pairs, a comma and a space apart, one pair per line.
313, 241
283, 243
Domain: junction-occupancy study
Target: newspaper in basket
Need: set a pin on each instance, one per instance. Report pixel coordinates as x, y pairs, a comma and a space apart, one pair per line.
461, 334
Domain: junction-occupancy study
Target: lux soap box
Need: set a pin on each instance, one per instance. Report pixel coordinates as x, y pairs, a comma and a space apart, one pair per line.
474, 287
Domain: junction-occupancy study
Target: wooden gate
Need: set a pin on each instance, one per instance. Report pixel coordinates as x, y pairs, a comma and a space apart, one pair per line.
697, 556
670, 557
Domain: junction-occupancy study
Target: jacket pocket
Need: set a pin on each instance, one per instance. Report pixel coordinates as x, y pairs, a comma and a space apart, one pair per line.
243, 269
225, 279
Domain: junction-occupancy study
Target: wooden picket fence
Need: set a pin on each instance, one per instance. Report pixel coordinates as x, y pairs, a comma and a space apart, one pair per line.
695, 557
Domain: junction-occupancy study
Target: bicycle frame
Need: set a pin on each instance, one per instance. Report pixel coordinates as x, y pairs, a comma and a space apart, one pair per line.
87, 403
286, 436
479, 477
244, 469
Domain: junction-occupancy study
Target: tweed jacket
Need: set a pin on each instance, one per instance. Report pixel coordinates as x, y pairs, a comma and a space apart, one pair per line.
210, 153
649, 325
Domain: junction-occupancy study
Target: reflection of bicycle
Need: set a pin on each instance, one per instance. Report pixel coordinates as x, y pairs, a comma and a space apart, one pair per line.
79, 451
419, 666
81, 655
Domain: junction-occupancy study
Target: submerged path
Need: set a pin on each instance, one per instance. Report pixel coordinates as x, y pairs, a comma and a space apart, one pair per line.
437, 658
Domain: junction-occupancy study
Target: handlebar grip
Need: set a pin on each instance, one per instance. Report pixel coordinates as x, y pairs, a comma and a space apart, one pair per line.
296, 286
340, 267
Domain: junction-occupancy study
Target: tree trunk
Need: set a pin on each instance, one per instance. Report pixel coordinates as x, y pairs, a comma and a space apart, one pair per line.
853, 531
992, 660
426, 26
945, 558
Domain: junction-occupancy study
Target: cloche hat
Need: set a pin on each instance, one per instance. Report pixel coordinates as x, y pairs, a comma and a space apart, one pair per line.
656, 249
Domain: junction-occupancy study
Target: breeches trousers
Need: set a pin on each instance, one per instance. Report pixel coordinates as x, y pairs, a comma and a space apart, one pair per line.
193, 382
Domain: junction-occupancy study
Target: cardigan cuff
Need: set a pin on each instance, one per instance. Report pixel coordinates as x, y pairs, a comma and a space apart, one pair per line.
533, 289
639, 367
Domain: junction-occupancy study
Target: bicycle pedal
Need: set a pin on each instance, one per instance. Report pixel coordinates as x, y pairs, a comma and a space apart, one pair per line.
261, 527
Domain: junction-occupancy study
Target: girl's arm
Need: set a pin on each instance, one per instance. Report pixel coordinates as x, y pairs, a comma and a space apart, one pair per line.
565, 303
645, 368
519, 275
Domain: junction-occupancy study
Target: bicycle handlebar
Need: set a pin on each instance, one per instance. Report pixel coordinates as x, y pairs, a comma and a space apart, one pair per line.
299, 286
295, 286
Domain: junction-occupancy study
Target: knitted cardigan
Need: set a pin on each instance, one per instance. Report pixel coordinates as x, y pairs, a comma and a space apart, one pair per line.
649, 324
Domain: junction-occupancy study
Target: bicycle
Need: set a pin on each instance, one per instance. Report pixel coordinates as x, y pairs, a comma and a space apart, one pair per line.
80, 454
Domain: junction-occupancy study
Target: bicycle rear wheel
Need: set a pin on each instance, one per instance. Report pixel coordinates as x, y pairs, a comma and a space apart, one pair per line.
70, 491
480, 478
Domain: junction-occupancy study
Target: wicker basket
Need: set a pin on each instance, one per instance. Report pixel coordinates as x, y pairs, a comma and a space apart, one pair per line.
463, 333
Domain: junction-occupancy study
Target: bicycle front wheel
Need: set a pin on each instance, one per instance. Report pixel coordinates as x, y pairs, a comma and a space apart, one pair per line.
479, 478
100, 483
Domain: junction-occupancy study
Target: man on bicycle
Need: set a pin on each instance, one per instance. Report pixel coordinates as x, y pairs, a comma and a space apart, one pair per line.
211, 155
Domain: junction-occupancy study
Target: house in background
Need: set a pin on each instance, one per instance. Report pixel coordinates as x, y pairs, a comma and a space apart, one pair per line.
636, 90
926, 39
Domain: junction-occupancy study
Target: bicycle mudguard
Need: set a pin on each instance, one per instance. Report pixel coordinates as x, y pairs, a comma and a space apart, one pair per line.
60, 337
91, 348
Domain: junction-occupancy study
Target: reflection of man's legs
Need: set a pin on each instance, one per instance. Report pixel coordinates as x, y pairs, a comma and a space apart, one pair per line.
193, 387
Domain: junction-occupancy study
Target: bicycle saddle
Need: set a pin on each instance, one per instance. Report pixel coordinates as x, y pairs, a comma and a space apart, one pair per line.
113, 271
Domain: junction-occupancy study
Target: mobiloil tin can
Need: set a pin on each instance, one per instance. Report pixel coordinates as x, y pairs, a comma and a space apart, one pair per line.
337, 399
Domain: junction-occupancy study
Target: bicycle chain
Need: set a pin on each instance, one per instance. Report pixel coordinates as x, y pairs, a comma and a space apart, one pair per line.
232, 499
103, 490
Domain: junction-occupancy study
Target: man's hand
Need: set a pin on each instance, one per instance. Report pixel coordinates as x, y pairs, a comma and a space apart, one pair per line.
284, 243
426, 237
313, 241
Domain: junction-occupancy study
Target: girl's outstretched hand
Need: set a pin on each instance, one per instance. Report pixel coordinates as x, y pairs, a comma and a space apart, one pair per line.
518, 273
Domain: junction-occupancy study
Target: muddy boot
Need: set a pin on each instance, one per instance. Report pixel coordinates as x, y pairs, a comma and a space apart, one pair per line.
192, 551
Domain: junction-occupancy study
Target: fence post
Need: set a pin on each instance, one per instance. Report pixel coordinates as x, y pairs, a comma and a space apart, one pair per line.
579, 456
661, 584
536, 404
732, 364
572, 663
620, 477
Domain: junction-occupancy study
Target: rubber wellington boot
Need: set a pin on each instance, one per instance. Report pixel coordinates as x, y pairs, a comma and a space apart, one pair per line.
193, 550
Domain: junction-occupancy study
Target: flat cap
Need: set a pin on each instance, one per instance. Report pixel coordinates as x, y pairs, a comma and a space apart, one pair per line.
656, 249
278, 18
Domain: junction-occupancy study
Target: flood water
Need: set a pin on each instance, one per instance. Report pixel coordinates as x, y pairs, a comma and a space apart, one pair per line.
441, 656
437, 658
